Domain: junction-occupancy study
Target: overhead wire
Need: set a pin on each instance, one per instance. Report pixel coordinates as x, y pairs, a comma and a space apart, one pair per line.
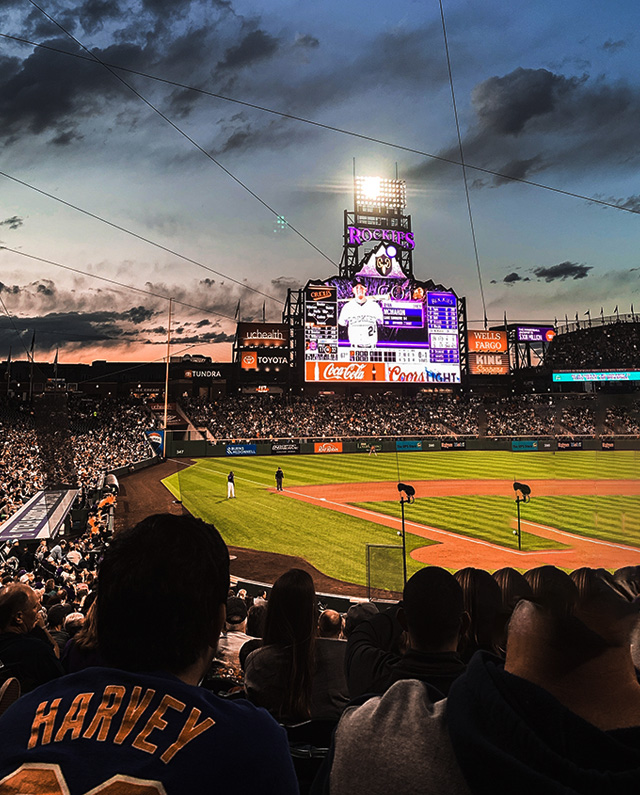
138, 236
334, 128
464, 170
181, 132
114, 281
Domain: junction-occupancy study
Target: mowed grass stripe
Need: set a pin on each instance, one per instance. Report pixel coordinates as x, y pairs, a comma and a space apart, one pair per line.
335, 543
451, 465
259, 519
488, 518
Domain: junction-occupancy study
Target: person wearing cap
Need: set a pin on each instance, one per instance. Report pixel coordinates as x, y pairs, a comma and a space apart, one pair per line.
234, 637
362, 315
231, 485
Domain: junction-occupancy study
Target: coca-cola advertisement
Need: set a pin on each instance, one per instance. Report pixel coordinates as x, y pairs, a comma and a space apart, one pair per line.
381, 326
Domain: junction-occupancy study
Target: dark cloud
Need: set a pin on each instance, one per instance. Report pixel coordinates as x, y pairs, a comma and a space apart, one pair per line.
306, 40
518, 169
46, 289
504, 105
630, 203
255, 46
15, 222
138, 314
202, 323
12, 290
562, 271
614, 46
512, 277
533, 120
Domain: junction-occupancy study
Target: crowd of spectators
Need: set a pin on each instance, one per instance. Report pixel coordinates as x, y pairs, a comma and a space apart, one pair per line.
474, 682
99, 437
260, 417
392, 416
615, 345
622, 420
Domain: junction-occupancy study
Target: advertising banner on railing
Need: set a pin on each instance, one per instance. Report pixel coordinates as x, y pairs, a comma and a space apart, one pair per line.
327, 447
521, 445
455, 444
569, 444
285, 448
369, 447
241, 449
409, 444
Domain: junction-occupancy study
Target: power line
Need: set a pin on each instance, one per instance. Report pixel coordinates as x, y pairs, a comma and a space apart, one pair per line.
113, 281
332, 128
139, 237
183, 133
464, 170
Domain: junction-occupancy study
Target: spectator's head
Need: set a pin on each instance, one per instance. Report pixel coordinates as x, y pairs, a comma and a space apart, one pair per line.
553, 589
236, 614
18, 608
330, 624
73, 623
433, 610
57, 614
256, 620
142, 624
579, 650
292, 622
483, 603
513, 587
356, 614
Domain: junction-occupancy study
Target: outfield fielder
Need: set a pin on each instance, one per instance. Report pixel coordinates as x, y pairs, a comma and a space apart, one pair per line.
231, 488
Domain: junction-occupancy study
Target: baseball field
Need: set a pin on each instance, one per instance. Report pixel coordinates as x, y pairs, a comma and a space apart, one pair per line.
584, 508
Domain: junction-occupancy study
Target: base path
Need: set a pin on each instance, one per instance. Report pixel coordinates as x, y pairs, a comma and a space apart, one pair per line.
454, 551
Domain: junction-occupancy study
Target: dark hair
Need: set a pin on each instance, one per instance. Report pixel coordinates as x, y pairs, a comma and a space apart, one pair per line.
256, 620
553, 590
513, 587
291, 622
143, 623
483, 602
433, 604
13, 599
329, 624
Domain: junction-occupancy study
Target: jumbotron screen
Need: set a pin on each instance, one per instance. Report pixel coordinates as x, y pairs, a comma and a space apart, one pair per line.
369, 329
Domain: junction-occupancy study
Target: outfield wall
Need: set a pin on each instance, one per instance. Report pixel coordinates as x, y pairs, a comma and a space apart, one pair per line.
202, 448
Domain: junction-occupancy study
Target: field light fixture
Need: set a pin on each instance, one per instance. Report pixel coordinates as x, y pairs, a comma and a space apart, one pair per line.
379, 192
523, 494
407, 495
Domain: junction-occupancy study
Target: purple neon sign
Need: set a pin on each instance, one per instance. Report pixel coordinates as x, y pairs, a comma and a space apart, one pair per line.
358, 236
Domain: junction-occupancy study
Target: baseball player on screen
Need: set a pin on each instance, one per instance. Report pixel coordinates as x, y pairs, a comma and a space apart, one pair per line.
362, 315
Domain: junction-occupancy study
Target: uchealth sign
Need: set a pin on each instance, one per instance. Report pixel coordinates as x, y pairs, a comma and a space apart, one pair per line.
258, 335
327, 447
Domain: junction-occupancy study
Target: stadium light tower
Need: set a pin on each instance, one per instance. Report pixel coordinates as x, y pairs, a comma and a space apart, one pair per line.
378, 214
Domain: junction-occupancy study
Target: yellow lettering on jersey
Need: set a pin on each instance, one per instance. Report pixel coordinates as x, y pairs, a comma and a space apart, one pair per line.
156, 721
134, 710
110, 704
74, 718
45, 720
190, 731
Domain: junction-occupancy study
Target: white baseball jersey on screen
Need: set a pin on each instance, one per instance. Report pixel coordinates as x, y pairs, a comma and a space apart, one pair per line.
362, 321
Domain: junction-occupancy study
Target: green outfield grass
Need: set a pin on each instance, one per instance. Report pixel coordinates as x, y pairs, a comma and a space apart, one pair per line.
335, 543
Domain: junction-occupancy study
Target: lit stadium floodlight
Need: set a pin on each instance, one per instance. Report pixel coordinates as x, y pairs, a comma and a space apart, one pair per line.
390, 194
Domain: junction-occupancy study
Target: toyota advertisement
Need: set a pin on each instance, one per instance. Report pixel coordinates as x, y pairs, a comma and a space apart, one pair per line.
384, 329
263, 352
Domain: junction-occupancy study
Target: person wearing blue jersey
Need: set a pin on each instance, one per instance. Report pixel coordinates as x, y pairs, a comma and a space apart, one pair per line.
143, 725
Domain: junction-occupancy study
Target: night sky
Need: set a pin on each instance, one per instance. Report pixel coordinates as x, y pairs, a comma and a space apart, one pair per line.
546, 92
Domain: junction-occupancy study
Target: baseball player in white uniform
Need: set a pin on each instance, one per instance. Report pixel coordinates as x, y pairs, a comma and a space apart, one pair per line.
362, 316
